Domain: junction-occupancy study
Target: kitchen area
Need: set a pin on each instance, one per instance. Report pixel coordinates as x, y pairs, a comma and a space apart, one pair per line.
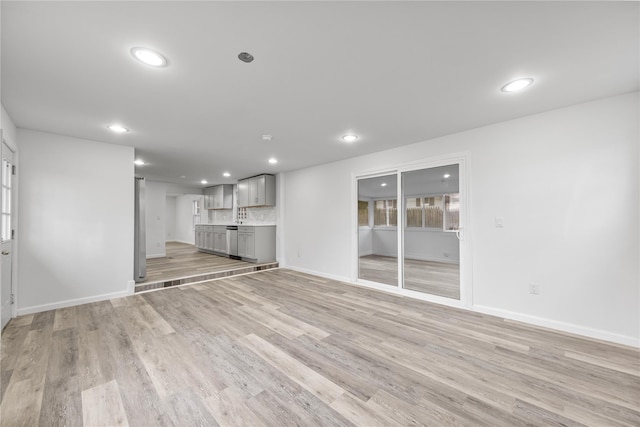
227, 229
244, 238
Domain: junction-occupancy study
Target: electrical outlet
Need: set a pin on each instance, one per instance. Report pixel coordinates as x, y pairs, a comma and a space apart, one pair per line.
499, 222
446, 254
534, 289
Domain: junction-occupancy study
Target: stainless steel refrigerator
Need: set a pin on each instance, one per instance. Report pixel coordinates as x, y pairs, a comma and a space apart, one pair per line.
140, 243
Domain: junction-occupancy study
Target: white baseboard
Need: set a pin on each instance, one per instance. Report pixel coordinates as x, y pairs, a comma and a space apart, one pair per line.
183, 241
316, 273
162, 255
560, 326
77, 301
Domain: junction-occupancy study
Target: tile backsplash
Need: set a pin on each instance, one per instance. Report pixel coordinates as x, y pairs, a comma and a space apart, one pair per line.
261, 215
266, 215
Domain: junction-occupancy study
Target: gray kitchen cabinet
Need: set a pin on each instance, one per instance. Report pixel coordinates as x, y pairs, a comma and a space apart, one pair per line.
199, 237
208, 245
257, 243
218, 197
204, 237
220, 239
257, 191
243, 193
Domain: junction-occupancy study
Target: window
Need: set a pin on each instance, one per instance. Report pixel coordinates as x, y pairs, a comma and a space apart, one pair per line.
385, 213
363, 213
6, 200
441, 212
196, 212
452, 211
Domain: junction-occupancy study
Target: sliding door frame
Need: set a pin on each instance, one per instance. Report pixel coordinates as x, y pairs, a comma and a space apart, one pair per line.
466, 289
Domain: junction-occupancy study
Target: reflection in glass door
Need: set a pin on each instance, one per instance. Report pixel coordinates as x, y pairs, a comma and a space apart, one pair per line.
431, 247
377, 229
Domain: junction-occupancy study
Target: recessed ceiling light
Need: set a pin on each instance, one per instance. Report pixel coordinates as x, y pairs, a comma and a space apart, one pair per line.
384, 184
118, 128
517, 85
273, 160
446, 175
350, 137
267, 138
183, 176
245, 57
204, 181
226, 174
149, 57
139, 162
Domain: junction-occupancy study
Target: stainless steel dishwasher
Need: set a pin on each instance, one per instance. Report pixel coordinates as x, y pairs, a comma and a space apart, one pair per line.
232, 241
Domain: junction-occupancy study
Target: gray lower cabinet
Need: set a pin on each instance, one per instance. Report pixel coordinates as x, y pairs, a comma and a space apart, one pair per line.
199, 238
211, 238
257, 243
220, 239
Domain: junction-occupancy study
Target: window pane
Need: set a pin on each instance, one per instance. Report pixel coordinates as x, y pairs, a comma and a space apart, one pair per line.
414, 211
433, 212
363, 213
452, 211
392, 206
380, 213
6, 227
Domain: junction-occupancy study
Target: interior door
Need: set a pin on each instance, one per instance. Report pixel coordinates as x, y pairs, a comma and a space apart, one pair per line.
431, 233
6, 182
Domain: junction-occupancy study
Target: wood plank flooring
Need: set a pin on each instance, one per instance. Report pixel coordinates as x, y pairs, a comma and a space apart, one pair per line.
183, 260
435, 278
281, 348
185, 264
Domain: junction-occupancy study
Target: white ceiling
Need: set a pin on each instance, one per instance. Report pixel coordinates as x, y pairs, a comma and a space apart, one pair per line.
393, 72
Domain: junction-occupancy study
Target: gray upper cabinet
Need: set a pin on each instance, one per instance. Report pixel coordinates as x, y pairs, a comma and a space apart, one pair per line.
243, 193
257, 191
219, 197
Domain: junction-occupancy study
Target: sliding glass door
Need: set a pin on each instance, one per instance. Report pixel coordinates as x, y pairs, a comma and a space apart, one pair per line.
377, 229
425, 218
431, 248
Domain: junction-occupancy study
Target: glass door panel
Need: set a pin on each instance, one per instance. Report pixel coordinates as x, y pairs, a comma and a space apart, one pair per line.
377, 229
431, 249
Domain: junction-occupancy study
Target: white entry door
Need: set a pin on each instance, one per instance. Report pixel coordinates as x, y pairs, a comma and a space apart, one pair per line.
6, 183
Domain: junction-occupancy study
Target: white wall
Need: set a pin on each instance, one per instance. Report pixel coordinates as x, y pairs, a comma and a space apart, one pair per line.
170, 214
160, 221
75, 221
9, 131
155, 210
566, 183
365, 241
184, 217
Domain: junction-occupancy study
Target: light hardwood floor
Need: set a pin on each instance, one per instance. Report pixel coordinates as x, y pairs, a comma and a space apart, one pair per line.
280, 348
183, 260
435, 278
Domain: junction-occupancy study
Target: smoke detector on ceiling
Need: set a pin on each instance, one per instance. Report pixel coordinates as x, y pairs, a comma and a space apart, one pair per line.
245, 57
